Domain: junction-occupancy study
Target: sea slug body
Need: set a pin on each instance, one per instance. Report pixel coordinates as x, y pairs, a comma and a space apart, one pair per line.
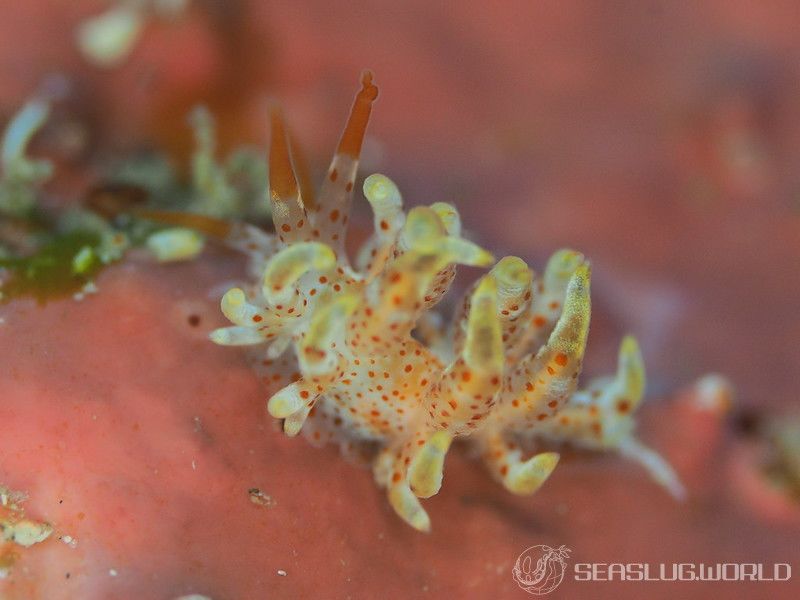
364, 361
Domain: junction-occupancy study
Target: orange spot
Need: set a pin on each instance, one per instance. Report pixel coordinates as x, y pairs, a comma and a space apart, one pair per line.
466, 376
334, 175
257, 318
334, 215
408, 368
286, 228
561, 359
539, 321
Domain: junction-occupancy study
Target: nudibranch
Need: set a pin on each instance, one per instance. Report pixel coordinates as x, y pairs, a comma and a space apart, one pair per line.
363, 360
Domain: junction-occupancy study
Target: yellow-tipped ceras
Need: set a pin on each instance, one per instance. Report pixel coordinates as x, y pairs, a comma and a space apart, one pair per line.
338, 337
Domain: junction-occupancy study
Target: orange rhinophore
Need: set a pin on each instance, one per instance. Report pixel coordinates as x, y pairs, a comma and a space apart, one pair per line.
337, 337
353, 135
282, 181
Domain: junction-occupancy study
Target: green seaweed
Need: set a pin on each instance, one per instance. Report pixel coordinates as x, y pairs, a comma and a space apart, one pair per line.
61, 266
64, 250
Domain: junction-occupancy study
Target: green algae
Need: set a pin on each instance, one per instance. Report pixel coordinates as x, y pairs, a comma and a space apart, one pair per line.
46, 255
60, 267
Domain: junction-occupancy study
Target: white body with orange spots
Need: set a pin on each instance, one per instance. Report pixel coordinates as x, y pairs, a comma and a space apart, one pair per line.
503, 375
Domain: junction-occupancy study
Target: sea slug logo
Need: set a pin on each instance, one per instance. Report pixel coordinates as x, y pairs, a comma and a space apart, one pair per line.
540, 569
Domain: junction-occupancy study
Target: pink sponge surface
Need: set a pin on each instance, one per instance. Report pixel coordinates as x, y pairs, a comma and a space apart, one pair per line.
140, 441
